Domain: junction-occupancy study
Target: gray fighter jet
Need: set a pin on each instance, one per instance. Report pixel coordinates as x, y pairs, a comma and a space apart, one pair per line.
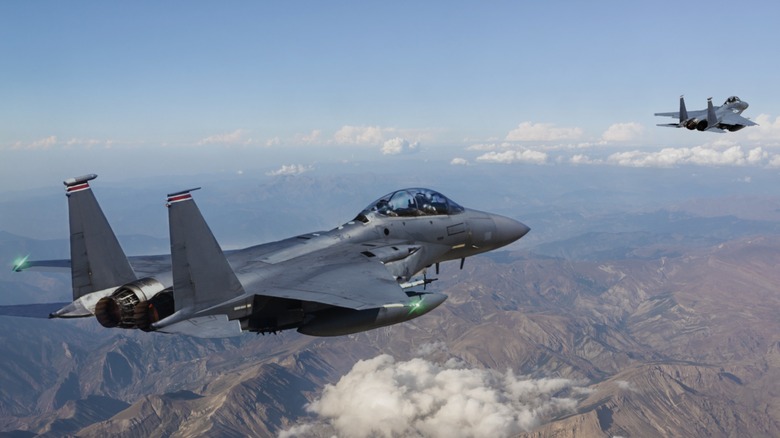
359, 276
714, 119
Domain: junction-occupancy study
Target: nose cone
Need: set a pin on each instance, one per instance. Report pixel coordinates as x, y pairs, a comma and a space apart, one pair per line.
508, 230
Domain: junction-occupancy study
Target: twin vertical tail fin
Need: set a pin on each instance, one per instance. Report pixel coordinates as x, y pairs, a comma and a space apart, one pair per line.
683, 111
712, 119
202, 275
97, 260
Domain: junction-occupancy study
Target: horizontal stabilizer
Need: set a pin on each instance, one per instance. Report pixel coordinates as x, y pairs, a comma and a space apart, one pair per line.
669, 125
41, 265
211, 326
42, 310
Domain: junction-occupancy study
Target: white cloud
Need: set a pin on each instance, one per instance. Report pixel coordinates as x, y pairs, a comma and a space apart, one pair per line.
358, 135
706, 155
774, 161
623, 132
52, 141
459, 162
399, 145
582, 159
528, 131
89, 143
292, 169
276, 141
311, 138
482, 147
767, 130
625, 385
231, 138
429, 348
299, 430
384, 398
43, 143
514, 156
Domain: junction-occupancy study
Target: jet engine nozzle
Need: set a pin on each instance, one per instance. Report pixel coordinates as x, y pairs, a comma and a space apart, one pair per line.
118, 309
157, 308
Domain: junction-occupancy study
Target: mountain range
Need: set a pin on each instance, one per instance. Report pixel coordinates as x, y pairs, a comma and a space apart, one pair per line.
636, 323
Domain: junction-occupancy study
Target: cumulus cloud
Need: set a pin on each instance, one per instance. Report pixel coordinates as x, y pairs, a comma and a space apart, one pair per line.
699, 155
623, 132
230, 138
767, 129
381, 397
457, 161
292, 169
582, 159
514, 156
390, 141
429, 348
88, 142
311, 138
358, 135
528, 131
625, 385
399, 145
52, 141
43, 143
483, 147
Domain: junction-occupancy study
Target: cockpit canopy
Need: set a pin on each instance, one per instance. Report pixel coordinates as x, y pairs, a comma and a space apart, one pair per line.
411, 202
732, 99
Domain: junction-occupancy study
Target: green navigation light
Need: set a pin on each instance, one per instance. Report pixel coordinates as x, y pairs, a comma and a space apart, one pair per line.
19, 263
416, 306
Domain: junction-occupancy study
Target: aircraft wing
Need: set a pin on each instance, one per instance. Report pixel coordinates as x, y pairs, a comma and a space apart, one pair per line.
338, 276
691, 114
730, 118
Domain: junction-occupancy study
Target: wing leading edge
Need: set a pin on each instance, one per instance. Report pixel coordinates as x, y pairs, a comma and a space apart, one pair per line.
730, 118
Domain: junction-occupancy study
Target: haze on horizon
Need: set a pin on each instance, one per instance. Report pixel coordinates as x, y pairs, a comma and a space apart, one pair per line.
137, 90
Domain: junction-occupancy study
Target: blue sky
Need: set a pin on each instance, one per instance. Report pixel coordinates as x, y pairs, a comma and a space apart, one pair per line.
102, 85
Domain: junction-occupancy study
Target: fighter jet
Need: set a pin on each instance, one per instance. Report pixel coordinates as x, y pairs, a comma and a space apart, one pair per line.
359, 276
714, 119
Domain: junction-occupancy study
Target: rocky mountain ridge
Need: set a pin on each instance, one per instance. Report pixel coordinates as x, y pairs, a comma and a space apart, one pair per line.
672, 346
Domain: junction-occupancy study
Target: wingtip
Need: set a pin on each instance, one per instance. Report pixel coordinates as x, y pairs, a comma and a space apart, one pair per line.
19, 264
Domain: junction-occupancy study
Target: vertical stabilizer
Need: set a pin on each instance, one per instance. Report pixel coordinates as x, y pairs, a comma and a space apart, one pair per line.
712, 119
683, 111
202, 276
97, 260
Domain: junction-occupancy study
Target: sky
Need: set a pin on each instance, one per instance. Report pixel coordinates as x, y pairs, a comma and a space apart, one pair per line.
133, 89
